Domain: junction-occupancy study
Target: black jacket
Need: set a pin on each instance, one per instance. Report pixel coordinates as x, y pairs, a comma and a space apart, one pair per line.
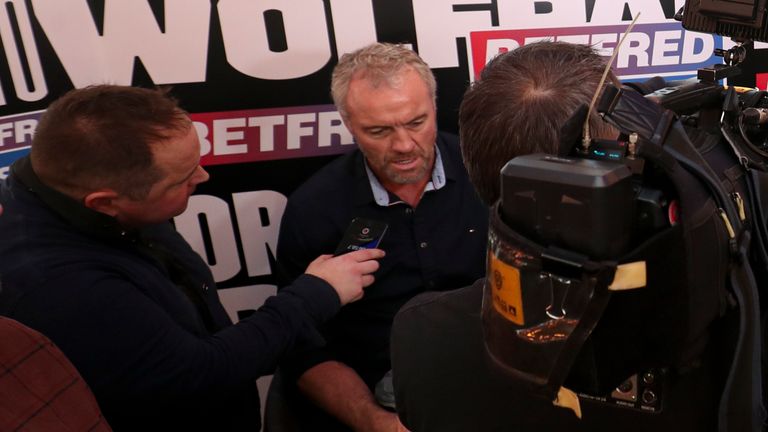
138, 314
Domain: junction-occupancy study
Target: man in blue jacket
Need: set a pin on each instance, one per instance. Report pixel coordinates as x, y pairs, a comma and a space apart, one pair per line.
89, 259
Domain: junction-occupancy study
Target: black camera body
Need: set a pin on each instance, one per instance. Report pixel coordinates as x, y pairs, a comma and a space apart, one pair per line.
583, 205
597, 201
698, 149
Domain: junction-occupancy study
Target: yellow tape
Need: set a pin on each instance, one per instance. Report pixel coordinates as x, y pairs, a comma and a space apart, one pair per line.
567, 399
629, 276
507, 296
740, 89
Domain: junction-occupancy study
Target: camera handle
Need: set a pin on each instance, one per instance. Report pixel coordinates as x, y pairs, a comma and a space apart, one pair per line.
732, 57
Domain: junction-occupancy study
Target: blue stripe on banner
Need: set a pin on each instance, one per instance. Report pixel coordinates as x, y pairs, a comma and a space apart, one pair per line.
7, 158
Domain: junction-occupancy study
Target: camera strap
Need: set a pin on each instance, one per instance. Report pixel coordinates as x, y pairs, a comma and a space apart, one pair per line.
741, 389
741, 403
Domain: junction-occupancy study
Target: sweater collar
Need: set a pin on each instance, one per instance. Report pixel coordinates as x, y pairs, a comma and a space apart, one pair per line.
368, 189
75, 213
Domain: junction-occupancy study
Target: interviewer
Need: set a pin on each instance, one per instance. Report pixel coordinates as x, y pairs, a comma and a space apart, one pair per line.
89, 259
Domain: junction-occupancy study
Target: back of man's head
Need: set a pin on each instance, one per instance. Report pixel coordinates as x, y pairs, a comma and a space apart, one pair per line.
519, 104
379, 63
102, 137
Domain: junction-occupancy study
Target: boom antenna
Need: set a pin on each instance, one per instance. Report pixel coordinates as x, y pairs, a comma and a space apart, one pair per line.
586, 139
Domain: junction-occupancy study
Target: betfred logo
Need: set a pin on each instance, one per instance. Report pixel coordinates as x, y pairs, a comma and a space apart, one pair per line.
663, 49
226, 137
273, 133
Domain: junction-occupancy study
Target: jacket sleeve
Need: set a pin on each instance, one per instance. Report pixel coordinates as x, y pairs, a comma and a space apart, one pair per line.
120, 338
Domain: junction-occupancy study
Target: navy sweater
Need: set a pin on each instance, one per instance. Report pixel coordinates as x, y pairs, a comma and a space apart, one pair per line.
138, 314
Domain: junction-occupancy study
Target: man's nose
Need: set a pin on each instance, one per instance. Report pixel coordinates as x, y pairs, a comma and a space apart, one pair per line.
201, 175
402, 141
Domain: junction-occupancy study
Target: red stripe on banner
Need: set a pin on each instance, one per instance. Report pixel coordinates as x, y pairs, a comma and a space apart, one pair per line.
650, 49
761, 81
268, 134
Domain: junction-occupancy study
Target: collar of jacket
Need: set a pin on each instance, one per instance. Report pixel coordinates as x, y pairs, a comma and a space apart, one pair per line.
76, 214
363, 191
108, 229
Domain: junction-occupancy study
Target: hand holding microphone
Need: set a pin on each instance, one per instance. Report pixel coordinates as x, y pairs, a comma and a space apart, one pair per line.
348, 274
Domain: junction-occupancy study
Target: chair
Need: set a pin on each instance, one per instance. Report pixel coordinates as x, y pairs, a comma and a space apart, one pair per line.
40, 390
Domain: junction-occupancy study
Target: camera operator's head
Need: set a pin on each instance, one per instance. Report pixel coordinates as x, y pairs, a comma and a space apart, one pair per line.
519, 104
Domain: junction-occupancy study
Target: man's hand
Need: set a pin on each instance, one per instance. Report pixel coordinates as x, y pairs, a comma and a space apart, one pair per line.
401, 427
348, 274
339, 391
384, 421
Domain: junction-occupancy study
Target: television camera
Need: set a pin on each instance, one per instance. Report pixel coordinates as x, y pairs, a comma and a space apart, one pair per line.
614, 200
640, 200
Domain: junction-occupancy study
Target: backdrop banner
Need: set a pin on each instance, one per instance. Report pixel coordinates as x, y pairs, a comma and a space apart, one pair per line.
255, 76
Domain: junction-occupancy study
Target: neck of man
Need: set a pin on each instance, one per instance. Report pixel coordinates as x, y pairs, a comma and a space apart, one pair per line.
410, 193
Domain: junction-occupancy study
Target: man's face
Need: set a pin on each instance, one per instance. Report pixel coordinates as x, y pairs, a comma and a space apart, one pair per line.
395, 128
178, 160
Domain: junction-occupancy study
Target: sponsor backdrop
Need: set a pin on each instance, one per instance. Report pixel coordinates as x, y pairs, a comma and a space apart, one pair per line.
255, 76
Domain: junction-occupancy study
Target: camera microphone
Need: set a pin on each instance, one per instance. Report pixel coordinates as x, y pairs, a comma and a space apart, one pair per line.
755, 116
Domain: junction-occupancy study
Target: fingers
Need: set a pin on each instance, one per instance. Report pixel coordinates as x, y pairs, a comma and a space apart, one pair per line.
348, 274
366, 260
365, 263
357, 297
367, 267
367, 280
366, 254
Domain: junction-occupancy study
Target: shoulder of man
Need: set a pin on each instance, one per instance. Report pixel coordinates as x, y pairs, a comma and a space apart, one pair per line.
448, 140
453, 161
333, 177
466, 298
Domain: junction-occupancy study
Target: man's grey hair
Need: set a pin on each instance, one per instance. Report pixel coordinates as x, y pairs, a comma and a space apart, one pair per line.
380, 63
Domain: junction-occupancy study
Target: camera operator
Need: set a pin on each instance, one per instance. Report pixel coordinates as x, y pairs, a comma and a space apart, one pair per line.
443, 376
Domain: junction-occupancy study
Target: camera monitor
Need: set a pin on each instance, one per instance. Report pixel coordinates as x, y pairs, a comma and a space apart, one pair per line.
741, 20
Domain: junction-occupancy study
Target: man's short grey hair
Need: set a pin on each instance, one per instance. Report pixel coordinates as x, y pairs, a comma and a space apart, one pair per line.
380, 63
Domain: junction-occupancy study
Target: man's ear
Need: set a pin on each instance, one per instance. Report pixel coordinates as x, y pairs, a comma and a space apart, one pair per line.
103, 201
